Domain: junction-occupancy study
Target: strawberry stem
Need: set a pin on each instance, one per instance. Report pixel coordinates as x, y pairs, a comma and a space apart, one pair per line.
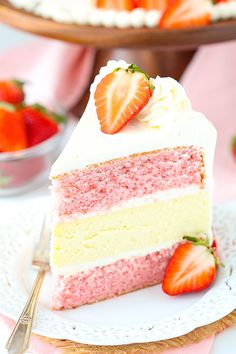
233, 142
7, 106
55, 116
204, 242
133, 68
198, 241
18, 83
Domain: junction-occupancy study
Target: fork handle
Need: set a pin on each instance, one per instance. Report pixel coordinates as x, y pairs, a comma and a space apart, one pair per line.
18, 341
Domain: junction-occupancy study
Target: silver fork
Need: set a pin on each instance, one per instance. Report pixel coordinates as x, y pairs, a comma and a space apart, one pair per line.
18, 341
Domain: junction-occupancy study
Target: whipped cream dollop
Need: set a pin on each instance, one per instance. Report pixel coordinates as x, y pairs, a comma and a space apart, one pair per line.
223, 11
168, 99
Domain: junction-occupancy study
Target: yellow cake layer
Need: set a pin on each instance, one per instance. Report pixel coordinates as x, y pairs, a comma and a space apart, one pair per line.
144, 227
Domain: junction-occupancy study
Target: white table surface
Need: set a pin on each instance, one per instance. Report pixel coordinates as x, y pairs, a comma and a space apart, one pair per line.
225, 343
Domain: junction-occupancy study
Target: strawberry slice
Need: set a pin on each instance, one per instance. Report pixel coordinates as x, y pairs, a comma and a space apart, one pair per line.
127, 5
40, 124
12, 91
152, 4
120, 96
192, 267
186, 13
233, 146
12, 129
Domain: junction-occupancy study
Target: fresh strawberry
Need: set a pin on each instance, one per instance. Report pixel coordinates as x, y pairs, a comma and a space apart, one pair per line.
192, 267
218, 1
11, 91
186, 13
152, 4
120, 96
127, 5
40, 124
12, 129
233, 146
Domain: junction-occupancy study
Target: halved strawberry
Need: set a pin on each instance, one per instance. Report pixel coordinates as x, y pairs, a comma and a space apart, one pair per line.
152, 4
120, 96
127, 5
12, 129
192, 267
11, 91
40, 124
186, 13
233, 146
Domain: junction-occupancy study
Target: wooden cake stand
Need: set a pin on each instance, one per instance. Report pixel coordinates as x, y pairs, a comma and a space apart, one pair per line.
163, 52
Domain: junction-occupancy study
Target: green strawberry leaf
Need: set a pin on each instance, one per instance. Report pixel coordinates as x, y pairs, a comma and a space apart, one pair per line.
4, 180
19, 83
233, 142
7, 106
59, 118
134, 68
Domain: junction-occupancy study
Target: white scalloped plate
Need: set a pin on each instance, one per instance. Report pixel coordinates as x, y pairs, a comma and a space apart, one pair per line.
143, 316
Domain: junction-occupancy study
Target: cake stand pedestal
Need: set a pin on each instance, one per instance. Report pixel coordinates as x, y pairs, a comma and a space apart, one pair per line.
159, 52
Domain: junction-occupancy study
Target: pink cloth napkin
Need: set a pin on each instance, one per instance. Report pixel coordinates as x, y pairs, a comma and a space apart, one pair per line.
62, 71
210, 82
55, 71
38, 347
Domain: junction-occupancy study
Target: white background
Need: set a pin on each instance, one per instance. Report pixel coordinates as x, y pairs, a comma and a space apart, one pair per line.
225, 343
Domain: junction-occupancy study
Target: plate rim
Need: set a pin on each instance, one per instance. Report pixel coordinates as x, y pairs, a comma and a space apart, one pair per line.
231, 207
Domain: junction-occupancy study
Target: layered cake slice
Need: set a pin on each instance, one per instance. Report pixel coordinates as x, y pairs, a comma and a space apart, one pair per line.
134, 179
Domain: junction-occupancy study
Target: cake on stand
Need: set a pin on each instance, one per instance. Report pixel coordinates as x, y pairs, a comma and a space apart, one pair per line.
164, 52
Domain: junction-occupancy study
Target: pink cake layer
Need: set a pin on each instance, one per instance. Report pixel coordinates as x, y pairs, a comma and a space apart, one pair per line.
102, 283
100, 187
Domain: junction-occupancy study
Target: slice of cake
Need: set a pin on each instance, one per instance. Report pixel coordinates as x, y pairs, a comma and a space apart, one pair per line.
135, 177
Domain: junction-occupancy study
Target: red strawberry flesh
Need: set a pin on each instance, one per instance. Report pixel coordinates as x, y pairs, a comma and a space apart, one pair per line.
186, 13
119, 97
11, 91
12, 130
192, 268
39, 127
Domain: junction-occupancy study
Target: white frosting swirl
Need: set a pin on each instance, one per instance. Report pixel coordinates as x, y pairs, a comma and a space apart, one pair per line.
168, 99
223, 11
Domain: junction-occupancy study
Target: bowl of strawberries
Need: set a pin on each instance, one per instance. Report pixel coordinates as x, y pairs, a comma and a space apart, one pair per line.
30, 138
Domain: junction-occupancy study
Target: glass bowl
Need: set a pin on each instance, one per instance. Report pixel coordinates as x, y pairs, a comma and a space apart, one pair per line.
21, 170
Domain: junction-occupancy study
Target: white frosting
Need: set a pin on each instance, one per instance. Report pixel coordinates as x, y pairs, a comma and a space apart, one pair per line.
89, 145
223, 11
152, 18
168, 99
